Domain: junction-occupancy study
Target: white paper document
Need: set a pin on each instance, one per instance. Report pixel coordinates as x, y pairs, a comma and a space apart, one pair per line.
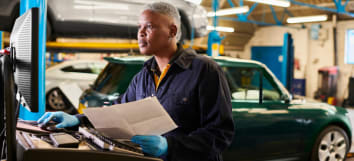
122, 121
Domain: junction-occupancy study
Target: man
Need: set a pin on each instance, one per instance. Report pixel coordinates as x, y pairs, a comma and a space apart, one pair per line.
192, 89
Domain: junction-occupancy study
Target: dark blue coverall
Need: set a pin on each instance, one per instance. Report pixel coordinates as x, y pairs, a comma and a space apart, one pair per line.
196, 95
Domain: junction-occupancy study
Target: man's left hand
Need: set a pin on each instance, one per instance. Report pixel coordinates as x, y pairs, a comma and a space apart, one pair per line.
154, 145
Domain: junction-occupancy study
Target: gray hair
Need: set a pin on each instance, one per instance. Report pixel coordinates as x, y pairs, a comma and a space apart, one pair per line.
168, 10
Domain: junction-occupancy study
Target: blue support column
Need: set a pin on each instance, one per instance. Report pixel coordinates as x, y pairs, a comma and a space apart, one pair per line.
24, 6
288, 61
214, 39
215, 8
1, 40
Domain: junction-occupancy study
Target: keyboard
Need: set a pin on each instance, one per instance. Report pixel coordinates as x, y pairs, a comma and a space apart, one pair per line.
105, 143
112, 150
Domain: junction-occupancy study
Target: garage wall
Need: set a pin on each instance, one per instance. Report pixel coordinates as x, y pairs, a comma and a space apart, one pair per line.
311, 54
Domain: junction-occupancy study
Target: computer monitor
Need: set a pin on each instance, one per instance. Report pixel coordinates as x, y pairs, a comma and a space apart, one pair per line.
19, 80
24, 51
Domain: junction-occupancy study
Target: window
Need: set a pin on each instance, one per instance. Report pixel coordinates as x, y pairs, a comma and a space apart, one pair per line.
244, 84
92, 68
77, 68
96, 68
107, 81
349, 47
269, 92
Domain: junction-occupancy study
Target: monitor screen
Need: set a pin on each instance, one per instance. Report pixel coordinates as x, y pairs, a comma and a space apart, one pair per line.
24, 50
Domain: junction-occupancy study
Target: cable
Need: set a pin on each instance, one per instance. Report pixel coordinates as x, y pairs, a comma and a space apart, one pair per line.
2, 132
3, 148
18, 107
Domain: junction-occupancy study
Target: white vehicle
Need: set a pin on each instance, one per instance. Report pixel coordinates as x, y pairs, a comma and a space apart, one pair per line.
77, 73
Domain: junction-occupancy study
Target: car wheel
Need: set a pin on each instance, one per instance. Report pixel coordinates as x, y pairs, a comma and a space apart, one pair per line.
331, 145
50, 36
56, 100
184, 34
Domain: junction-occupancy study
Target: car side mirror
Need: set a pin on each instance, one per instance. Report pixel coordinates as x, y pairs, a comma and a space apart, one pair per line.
286, 98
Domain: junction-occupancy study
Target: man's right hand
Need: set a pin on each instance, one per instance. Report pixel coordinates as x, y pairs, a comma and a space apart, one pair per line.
63, 119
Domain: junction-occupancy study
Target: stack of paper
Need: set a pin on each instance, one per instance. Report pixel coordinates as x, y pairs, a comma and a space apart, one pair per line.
122, 121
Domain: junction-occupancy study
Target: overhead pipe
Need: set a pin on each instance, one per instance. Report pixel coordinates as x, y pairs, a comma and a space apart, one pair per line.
339, 10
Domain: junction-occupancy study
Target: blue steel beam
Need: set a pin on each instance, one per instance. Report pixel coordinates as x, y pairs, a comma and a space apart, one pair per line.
283, 15
243, 17
24, 6
231, 3
263, 15
288, 12
251, 9
324, 8
275, 15
346, 2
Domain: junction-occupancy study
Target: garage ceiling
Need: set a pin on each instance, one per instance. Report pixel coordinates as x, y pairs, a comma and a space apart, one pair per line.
244, 31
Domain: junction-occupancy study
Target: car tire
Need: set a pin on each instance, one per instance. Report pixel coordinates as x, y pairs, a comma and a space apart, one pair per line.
56, 100
331, 144
50, 36
184, 34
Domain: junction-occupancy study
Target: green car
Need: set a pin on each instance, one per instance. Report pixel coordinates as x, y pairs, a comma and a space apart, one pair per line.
269, 123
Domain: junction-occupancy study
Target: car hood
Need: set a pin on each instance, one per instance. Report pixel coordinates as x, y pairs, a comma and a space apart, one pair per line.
312, 104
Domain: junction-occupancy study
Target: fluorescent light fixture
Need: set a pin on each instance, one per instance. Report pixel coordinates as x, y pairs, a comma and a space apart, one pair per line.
198, 2
221, 28
230, 11
279, 3
307, 19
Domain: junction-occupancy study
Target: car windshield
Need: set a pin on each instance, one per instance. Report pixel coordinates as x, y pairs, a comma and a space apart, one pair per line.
244, 83
115, 78
107, 81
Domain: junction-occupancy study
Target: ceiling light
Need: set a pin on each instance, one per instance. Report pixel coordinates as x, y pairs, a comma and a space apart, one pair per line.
307, 19
280, 3
221, 28
230, 11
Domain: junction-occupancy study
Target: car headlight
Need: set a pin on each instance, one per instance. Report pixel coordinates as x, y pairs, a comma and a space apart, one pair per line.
349, 118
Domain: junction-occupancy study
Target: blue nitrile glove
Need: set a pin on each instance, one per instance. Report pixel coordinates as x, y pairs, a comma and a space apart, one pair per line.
154, 145
63, 119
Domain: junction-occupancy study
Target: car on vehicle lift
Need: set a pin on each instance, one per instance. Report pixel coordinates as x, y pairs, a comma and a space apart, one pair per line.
104, 18
269, 123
